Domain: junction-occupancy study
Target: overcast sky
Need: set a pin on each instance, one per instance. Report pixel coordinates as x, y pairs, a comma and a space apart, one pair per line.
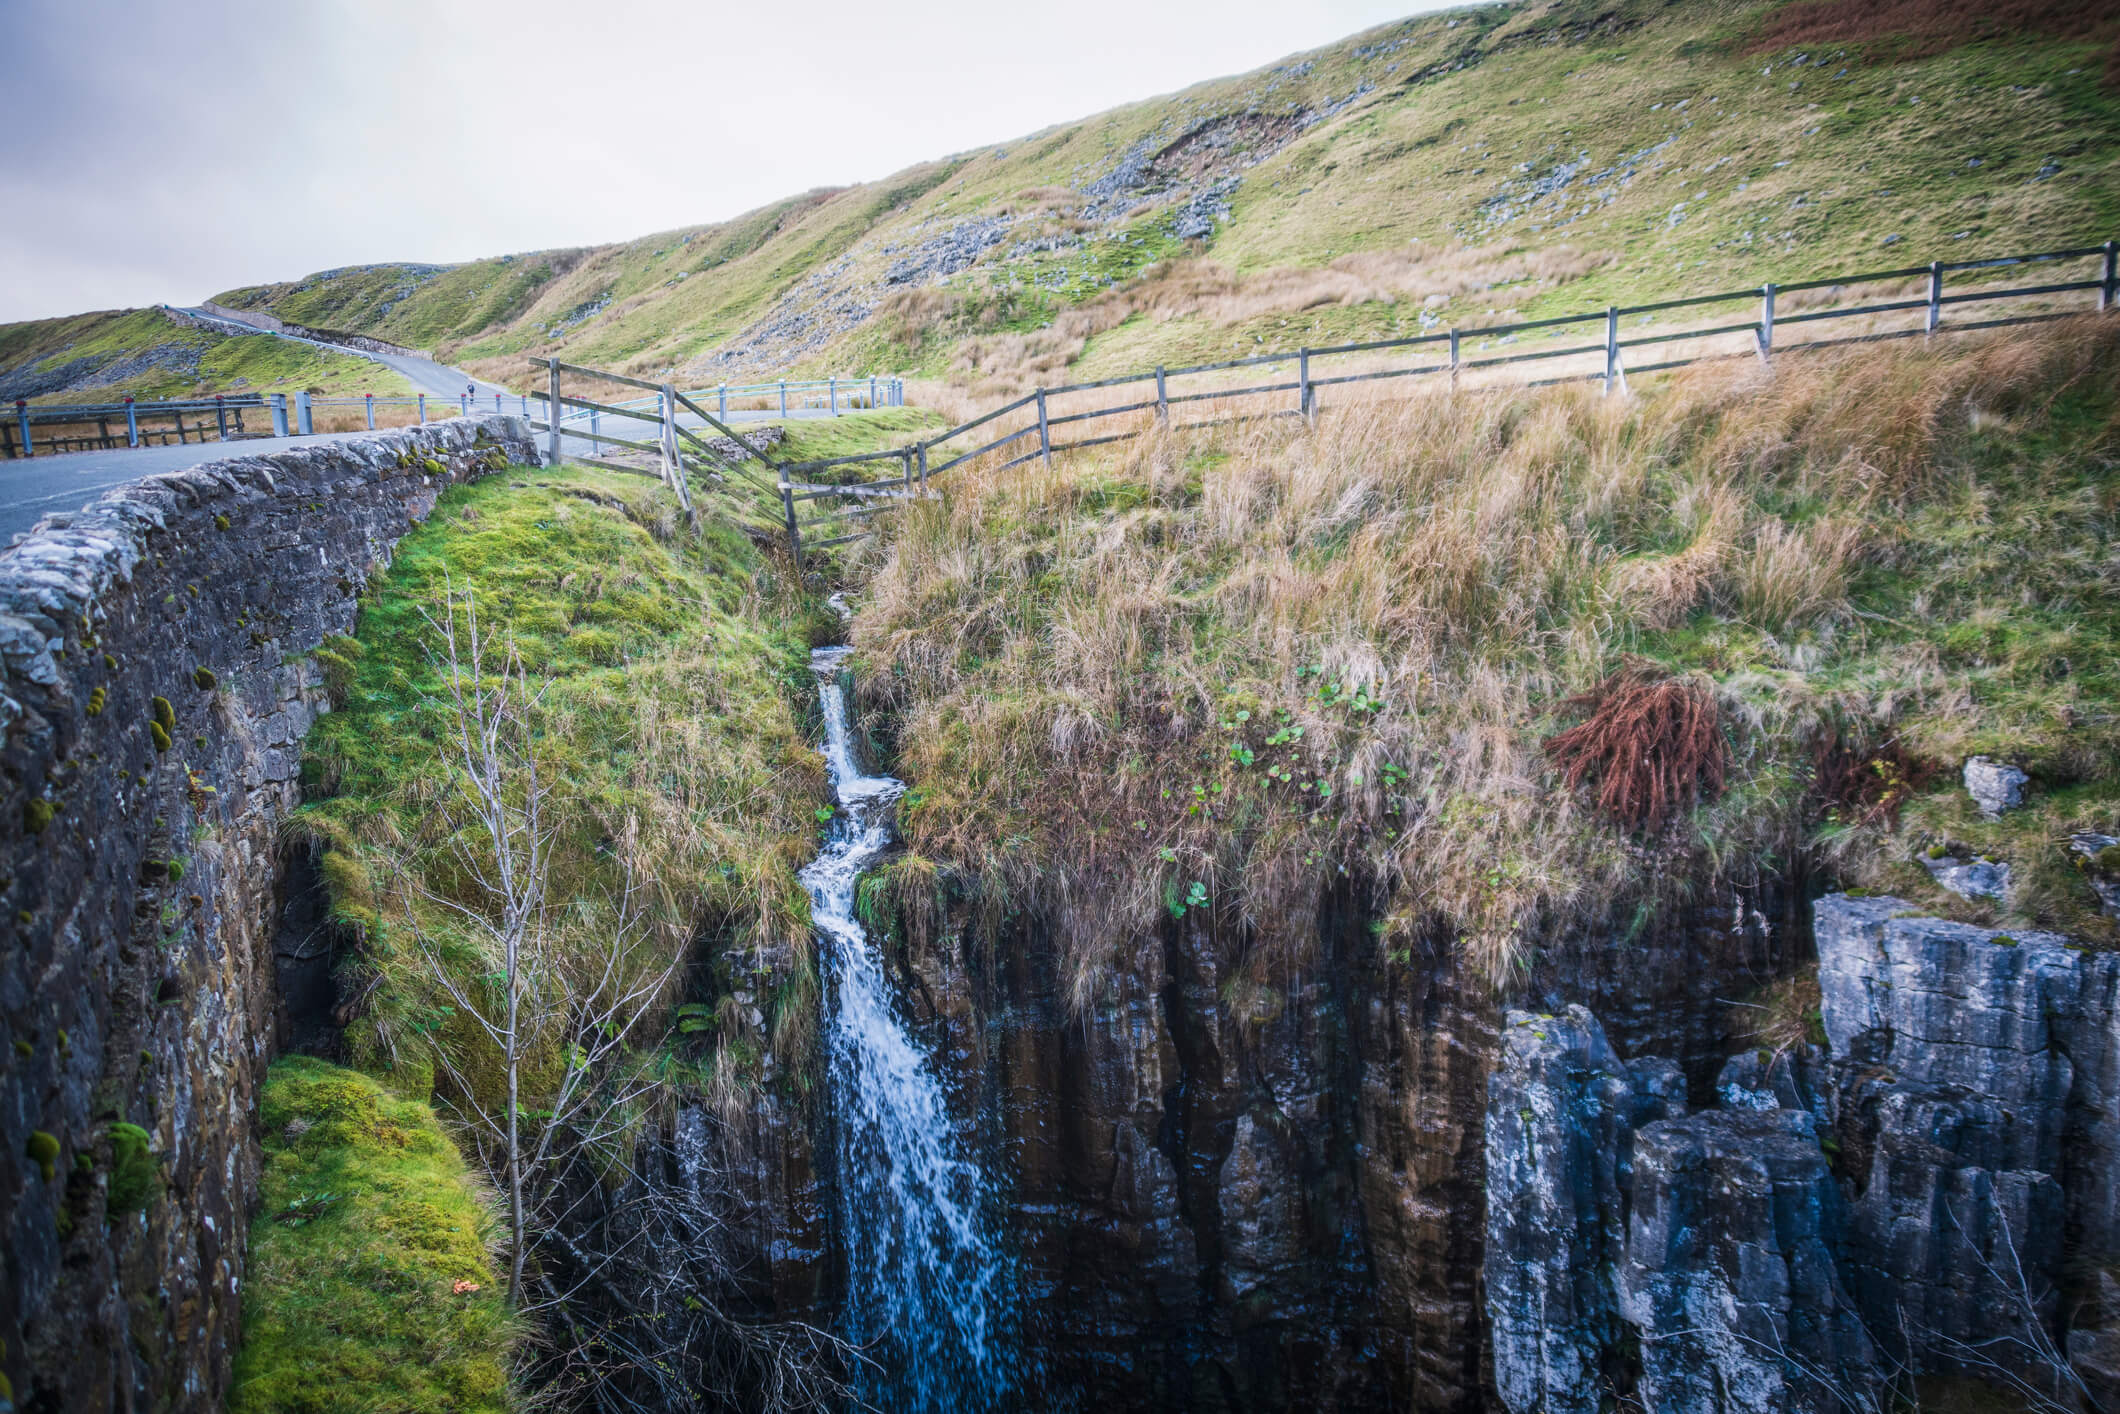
163, 152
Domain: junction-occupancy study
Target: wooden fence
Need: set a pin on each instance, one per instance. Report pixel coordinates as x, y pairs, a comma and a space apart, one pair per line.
1458, 355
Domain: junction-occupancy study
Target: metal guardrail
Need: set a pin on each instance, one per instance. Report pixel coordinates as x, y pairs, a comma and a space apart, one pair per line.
218, 418
918, 461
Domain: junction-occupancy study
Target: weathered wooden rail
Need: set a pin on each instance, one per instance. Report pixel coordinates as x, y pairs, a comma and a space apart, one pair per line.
1457, 355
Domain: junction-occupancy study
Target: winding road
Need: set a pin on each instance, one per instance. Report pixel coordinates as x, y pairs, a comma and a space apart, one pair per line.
39, 486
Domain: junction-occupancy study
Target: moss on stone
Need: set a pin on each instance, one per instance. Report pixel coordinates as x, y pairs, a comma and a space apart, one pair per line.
37, 816
160, 734
165, 715
43, 1151
96, 698
370, 1286
220, 522
134, 1174
203, 676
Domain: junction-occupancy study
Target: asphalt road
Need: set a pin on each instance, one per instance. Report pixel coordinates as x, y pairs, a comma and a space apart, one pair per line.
41, 485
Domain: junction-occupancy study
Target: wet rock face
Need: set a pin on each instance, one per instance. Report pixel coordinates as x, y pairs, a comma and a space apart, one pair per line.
140, 878
1976, 1079
1562, 1111
1730, 1275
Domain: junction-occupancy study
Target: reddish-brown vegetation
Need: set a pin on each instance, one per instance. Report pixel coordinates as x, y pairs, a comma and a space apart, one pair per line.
1922, 29
1653, 745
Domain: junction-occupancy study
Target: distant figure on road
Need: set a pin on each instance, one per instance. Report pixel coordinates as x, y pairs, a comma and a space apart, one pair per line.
470, 392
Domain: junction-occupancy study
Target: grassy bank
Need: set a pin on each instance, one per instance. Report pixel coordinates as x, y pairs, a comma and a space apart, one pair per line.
370, 1287
667, 734
1211, 672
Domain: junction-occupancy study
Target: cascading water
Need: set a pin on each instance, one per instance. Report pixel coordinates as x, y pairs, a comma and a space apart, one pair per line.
929, 1295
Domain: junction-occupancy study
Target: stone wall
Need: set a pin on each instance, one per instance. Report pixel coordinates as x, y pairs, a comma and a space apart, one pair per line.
154, 689
264, 320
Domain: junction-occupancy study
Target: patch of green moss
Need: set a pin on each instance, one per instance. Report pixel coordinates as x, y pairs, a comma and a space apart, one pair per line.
204, 678
37, 816
164, 715
134, 1175
370, 1283
43, 1151
160, 735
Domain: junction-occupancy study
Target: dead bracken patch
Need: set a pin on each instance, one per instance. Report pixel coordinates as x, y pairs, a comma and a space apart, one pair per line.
1922, 29
1866, 787
1652, 744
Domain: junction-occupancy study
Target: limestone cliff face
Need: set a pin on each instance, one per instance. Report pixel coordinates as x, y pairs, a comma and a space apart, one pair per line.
141, 878
1234, 1199
1922, 1195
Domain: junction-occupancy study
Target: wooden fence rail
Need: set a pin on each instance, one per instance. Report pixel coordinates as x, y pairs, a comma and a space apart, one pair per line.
1452, 354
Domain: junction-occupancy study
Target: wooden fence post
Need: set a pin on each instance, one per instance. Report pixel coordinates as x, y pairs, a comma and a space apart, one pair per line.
1045, 433
787, 506
1765, 336
1455, 360
1303, 383
1611, 347
905, 470
132, 423
1162, 398
552, 414
2109, 286
1935, 312
923, 467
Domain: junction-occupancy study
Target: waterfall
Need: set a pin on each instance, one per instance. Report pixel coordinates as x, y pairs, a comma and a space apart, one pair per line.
929, 1293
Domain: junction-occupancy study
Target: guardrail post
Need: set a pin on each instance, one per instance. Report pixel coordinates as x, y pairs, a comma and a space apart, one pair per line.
279, 417
1303, 383
371, 412
552, 414
304, 418
220, 415
1935, 313
872, 392
1045, 431
1611, 347
22, 421
1455, 360
783, 397
463, 404
132, 421
1162, 397
1765, 336
423, 409
832, 392
181, 438
723, 413
2110, 285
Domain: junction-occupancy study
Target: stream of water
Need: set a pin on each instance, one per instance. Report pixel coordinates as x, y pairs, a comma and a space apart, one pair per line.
929, 1292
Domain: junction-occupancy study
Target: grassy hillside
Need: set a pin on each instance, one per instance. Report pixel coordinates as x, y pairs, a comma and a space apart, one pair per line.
1515, 158
140, 353
1523, 665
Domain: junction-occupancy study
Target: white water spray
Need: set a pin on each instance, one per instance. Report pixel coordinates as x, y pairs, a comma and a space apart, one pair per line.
929, 1293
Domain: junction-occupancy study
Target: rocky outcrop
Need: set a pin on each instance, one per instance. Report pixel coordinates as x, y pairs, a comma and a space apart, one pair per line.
1730, 1277
1975, 1078
1562, 1111
1968, 1088
154, 697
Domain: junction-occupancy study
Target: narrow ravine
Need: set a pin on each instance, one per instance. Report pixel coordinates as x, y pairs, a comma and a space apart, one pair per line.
929, 1296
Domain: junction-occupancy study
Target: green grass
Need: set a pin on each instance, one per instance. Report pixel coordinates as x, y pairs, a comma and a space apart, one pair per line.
669, 734
370, 1288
